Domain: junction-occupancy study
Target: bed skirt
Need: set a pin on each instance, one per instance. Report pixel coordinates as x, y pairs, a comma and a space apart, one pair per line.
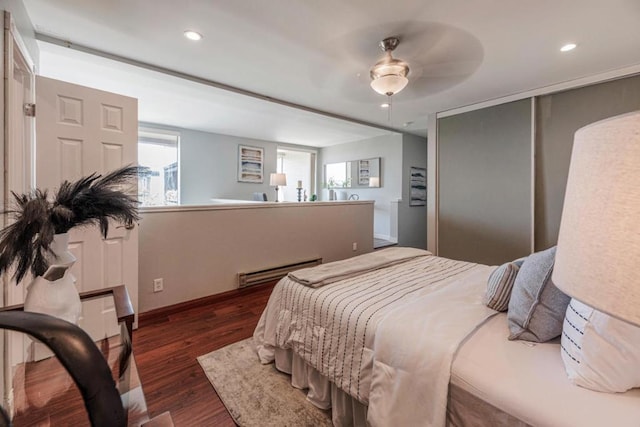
345, 410
463, 409
466, 410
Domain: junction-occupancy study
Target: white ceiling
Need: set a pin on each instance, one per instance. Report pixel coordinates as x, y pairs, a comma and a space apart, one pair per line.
173, 101
318, 54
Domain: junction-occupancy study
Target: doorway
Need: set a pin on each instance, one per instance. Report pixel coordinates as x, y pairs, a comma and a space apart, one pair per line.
300, 168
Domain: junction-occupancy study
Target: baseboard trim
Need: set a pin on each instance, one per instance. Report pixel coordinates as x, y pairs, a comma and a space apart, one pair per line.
160, 314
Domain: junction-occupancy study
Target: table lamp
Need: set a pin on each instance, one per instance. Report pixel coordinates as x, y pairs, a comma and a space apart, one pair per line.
598, 254
277, 179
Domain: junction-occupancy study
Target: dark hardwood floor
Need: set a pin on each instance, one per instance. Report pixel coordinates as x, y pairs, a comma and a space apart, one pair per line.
166, 348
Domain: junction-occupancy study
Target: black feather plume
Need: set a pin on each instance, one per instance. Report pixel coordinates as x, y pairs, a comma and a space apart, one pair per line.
92, 200
95, 199
23, 243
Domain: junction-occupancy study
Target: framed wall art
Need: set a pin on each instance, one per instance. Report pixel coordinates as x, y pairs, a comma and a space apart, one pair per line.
418, 187
250, 164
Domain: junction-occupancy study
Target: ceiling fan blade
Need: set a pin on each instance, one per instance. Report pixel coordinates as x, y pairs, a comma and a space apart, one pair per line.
449, 68
439, 56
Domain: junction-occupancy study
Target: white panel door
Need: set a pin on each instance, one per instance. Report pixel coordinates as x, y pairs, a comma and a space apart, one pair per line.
79, 131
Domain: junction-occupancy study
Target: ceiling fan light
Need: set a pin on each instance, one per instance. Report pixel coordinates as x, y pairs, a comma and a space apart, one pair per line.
389, 75
389, 84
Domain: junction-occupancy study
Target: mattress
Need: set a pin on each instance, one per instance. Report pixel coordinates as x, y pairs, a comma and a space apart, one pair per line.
528, 382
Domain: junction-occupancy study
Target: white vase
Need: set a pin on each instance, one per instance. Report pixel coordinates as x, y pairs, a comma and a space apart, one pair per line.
55, 292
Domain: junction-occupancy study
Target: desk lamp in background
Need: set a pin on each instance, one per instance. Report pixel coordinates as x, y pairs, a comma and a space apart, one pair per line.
277, 179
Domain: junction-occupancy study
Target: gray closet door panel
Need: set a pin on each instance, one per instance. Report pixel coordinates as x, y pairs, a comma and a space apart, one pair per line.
558, 117
485, 184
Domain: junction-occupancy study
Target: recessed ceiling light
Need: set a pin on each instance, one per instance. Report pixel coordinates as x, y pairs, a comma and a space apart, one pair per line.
192, 35
567, 47
384, 105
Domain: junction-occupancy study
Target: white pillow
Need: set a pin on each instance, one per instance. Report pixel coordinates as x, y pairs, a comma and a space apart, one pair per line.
600, 352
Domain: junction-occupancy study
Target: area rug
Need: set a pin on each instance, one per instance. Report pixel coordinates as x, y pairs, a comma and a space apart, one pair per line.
256, 394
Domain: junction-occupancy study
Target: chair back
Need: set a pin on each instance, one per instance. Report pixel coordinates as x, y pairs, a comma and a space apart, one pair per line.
260, 197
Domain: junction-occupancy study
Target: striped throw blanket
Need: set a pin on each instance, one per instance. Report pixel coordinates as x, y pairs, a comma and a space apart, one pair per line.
350, 267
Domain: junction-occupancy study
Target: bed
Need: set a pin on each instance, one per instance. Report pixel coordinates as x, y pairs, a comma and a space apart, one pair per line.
402, 337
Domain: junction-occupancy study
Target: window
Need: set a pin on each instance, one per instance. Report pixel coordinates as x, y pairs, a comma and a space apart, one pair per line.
159, 184
338, 175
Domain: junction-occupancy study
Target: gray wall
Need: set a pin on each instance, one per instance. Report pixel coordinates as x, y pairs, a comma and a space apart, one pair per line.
209, 166
389, 149
485, 184
412, 220
558, 116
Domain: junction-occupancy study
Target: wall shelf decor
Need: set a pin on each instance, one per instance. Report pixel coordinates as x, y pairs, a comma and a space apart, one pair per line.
364, 172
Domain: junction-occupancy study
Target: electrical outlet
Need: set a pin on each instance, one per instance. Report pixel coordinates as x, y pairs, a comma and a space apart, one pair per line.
355, 246
158, 285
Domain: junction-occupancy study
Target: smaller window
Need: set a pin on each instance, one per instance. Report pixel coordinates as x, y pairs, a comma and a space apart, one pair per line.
159, 184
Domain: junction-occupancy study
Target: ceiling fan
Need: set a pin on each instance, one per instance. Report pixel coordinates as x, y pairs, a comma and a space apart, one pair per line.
437, 57
389, 75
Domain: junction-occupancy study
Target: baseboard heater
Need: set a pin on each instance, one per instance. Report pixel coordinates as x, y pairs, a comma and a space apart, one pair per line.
273, 273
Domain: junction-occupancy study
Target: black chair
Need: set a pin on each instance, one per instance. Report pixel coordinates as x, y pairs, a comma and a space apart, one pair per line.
79, 355
260, 197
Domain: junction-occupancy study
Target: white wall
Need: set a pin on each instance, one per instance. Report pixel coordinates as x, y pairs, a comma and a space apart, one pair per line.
389, 149
199, 251
24, 26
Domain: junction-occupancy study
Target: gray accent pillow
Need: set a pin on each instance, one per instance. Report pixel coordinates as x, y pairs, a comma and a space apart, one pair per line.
537, 307
499, 286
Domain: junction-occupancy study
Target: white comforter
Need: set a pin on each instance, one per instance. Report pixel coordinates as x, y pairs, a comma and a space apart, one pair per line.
386, 337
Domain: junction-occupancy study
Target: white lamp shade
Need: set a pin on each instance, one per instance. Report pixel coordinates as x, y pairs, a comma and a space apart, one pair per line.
277, 179
389, 84
598, 254
374, 181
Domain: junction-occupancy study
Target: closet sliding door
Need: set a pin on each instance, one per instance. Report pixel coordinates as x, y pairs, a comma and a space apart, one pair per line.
558, 117
485, 184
